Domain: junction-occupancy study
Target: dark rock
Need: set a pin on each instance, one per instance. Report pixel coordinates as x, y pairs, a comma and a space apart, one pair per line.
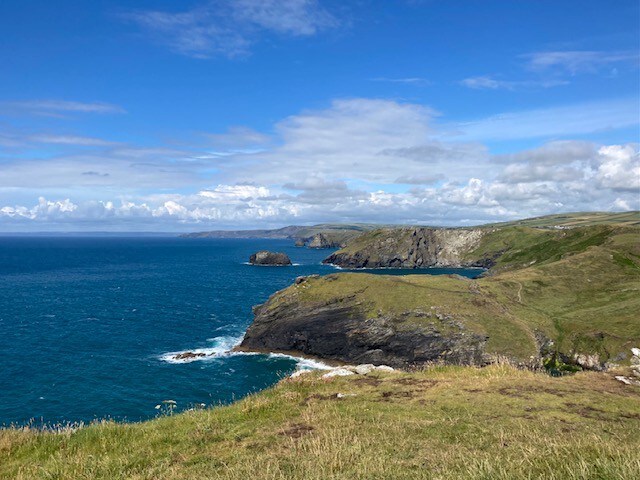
300, 242
189, 355
265, 257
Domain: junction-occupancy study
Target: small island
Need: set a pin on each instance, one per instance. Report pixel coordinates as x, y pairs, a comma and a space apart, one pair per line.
265, 257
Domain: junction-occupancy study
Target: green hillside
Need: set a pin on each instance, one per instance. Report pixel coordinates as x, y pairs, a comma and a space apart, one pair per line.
579, 288
578, 219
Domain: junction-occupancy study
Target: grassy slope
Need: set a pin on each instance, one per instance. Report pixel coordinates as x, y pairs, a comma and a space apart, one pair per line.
589, 300
443, 423
580, 287
578, 219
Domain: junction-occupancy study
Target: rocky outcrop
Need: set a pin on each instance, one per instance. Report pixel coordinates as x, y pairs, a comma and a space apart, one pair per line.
412, 248
634, 378
341, 330
320, 240
188, 356
265, 257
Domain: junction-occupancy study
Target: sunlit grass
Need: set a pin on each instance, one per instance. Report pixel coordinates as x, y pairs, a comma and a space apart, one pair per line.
445, 422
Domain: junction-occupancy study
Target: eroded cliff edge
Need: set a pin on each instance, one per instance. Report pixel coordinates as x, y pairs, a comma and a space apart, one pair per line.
332, 318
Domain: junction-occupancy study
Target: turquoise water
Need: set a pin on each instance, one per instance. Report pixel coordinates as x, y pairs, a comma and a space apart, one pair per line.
86, 324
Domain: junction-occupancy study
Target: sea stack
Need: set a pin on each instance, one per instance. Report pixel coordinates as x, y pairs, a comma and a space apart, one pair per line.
264, 257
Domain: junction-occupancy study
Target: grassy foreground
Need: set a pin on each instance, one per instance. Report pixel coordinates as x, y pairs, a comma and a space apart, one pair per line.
441, 423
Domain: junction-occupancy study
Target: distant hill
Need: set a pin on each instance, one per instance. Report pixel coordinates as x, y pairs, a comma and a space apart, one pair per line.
578, 219
301, 231
316, 236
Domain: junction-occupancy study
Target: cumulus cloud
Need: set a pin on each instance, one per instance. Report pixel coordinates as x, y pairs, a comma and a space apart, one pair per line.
357, 160
365, 139
619, 168
230, 27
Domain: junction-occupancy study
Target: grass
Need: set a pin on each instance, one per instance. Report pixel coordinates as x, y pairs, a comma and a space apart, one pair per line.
578, 219
578, 287
440, 423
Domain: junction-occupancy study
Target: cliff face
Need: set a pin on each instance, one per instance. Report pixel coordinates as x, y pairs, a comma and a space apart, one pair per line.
322, 240
343, 328
412, 248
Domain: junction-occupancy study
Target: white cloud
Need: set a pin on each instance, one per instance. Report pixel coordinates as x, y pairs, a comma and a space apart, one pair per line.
486, 82
577, 119
70, 140
578, 61
369, 140
230, 27
238, 137
619, 168
61, 107
230, 193
553, 153
358, 160
415, 81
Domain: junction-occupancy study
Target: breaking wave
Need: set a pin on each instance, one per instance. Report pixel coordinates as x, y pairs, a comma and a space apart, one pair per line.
223, 347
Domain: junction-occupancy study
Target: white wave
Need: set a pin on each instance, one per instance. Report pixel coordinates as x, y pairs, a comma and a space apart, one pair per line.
221, 347
259, 265
303, 363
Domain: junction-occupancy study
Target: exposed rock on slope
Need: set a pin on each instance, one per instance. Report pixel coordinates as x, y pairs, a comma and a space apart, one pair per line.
412, 248
321, 240
342, 329
265, 257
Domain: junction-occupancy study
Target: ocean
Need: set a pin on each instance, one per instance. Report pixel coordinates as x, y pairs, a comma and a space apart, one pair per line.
88, 325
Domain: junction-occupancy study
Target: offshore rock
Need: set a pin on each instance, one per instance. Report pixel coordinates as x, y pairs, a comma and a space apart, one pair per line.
265, 257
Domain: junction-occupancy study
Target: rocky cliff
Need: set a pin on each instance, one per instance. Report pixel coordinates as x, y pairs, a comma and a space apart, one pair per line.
571, 295
412, 248
344, 328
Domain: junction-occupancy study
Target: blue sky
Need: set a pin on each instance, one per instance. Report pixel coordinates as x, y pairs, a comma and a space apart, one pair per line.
189, 115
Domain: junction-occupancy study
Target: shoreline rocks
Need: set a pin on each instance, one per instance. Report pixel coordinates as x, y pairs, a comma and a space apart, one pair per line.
265, 257
189, 356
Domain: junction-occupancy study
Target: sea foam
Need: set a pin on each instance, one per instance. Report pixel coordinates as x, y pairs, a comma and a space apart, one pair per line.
223, 347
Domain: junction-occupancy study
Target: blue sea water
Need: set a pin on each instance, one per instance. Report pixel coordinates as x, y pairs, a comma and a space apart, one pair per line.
87, 323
